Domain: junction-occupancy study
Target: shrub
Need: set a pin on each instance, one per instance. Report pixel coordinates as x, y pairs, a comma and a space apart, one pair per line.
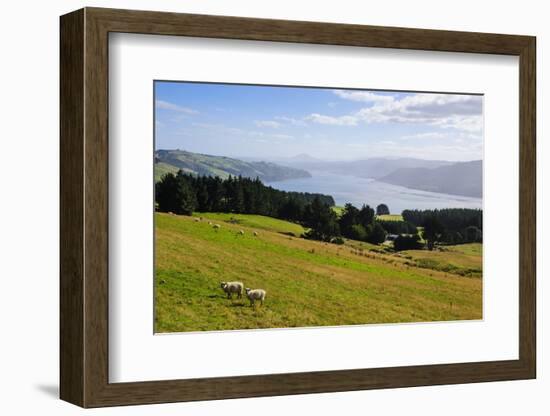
407, 242
376, 234
358, 232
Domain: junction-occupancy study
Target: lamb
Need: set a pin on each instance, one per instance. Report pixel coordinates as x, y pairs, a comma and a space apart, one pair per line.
254, 295
232, 287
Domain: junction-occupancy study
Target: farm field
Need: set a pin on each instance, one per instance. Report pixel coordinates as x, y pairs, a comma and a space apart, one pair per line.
390, 217
308, 283
338, 210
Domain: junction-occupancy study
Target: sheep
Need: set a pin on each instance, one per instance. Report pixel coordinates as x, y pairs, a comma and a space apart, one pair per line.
241, 232
255, 234
197, 219
232, 287
216, 227
209, 222
254, 295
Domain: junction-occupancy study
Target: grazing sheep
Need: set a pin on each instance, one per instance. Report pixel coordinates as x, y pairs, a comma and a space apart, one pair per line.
209, 222
197, 219
216, 227
254, 295
255, 234
241, 232
232, 287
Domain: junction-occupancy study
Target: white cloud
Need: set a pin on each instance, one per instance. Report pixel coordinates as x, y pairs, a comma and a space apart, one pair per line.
363, 96
430, 135
165, 105
291, 120
267, 123
465, 123
460, 112
254, 133
333, 121
282, 136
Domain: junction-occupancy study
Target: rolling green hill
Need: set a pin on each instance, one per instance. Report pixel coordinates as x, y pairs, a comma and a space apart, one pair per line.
258, 222
308, 283
208, 165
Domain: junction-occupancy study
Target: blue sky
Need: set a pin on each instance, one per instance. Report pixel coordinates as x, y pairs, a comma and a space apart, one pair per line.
276, 122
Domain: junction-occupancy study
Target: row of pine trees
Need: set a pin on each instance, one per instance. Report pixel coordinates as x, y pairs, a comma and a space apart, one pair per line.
184, 193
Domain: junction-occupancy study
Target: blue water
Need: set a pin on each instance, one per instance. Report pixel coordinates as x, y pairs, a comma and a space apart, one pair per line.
361, 191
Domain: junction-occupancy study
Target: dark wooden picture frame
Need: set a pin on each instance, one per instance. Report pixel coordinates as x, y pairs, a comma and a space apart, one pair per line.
84, 207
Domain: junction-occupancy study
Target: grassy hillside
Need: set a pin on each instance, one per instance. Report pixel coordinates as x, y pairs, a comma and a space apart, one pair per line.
308, 283
162, 168
464, 260
208, 165
258, 222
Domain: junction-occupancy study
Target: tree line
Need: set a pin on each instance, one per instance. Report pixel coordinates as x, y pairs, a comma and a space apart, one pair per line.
449, 225
184, 193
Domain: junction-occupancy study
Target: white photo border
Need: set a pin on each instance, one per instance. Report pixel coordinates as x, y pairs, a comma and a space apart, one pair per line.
136, 354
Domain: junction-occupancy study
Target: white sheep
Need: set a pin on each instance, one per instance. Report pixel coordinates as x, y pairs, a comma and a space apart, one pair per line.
241, 232
197, 219
216, 227
209, 222
255, 234
232, 287
254, 295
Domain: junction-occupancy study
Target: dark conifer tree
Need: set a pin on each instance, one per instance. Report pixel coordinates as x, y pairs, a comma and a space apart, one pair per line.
382, 209
322, 220
174, 194
349, 218
375, 233
433, 230
365, 216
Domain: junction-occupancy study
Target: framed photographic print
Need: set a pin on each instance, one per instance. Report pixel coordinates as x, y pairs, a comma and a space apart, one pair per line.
255, 207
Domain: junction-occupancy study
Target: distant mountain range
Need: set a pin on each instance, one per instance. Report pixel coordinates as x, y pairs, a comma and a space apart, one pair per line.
208, 165
366, 168
455, 178
461, 178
